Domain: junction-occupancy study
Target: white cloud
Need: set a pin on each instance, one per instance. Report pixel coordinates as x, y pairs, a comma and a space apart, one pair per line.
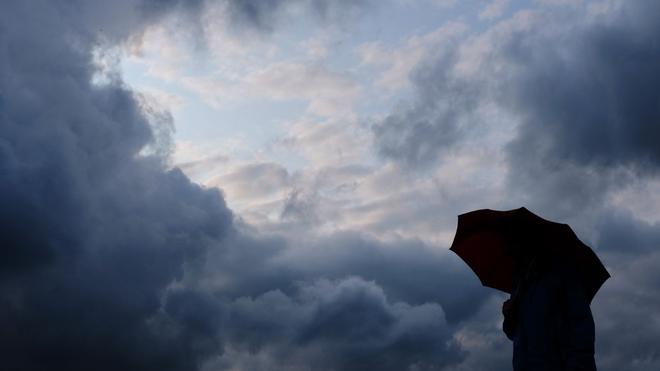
329, 93
558, 2
494, 9
250, 182
443, 4
162, 49
400, 61
327, 143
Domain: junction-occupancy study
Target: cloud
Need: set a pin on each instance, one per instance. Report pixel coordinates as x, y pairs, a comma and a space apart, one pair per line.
400, 61
326, 143
586, 135
111, 260
94, 231
624, 334
494, 9
348, 324
300, 208
332, 302
575, 92
327, 91
574, 96
639, 198
265, 15
342, 186
559, 2
254, 180
600, 112
453, 91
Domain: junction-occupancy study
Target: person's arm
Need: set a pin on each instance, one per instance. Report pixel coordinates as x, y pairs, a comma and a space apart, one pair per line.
508, 308
580, 336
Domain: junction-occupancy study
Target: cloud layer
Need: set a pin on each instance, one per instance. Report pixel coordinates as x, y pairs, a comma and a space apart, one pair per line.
112, 260
574, 94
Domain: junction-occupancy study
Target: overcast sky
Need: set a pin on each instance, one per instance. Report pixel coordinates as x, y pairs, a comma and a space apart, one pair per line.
273, 185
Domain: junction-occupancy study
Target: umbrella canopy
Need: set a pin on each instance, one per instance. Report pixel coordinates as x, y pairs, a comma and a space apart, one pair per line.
484, 237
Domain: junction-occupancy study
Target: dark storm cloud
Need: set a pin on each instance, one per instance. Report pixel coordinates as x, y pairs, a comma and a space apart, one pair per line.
588, 99
345, 303
336, 303
344, 325
342, 303
92, 232
585, 97
439, 277
589, 107
583, 92
604, 108
109, 261
580, 89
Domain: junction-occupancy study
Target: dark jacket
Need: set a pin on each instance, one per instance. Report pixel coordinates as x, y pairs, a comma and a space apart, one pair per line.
550, 323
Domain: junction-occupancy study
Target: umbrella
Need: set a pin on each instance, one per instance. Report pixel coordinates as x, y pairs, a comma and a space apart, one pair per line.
483, 236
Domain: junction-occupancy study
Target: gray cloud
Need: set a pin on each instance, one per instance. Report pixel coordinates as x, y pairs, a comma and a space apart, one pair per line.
418, 134
110, 261
332, 303
582, 92
300, 208
278, 264
588, 107
603, 110
625, 336
439, 277
265, 15
255, 179
93, 233
623, 232
348, 325
583, 89
579, 90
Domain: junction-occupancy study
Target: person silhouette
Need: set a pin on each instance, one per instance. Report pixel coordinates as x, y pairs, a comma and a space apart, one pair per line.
548, 317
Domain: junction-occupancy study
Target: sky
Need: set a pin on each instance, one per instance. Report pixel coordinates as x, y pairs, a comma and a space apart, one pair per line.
274, 185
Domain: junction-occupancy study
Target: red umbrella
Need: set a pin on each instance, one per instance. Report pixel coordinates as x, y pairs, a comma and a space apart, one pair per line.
483, 237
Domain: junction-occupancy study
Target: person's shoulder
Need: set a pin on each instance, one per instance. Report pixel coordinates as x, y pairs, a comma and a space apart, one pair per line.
566, 274
553, 271
566, 267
